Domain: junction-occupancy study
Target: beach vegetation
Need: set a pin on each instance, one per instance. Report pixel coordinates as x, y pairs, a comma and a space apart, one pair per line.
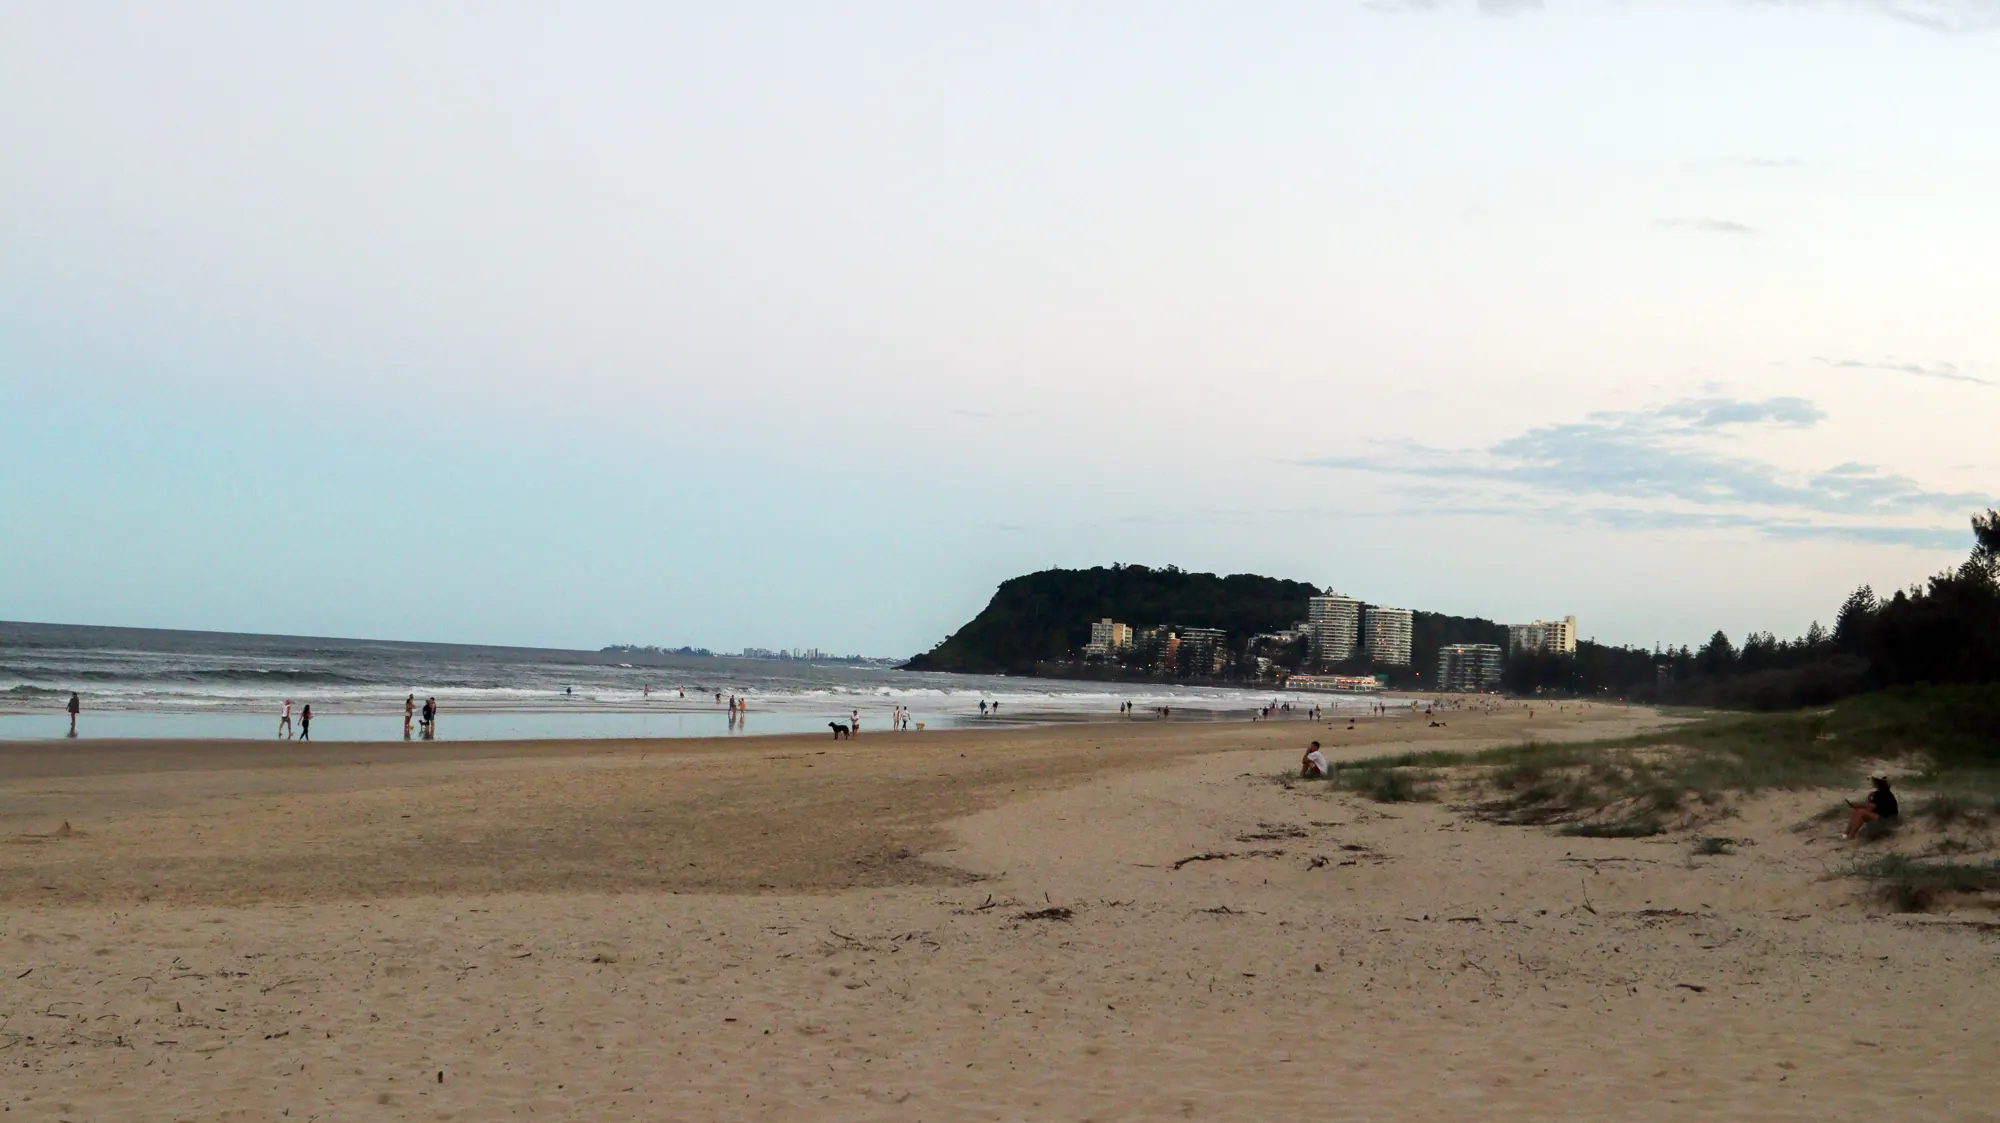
1682, 776
1910, 884
1386, 783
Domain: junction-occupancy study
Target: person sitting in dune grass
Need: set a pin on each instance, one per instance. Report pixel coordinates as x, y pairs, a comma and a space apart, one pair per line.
1314, 763
1879, 806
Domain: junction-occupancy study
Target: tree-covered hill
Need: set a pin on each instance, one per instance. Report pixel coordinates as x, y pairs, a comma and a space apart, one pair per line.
1046, 616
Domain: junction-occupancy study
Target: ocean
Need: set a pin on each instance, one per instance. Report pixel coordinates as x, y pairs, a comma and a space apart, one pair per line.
136, 682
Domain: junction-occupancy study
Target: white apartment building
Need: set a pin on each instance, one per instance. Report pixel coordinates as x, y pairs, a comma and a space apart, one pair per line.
1386, 635
1107, 636
1553, 637
1335, 622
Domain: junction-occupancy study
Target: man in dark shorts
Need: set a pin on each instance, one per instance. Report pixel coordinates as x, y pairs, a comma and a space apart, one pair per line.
1880, 806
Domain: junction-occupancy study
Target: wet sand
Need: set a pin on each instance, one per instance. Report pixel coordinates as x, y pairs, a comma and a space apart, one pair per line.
802, 928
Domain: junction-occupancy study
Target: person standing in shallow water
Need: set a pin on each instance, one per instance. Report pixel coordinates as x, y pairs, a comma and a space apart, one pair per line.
409, 714
75, 708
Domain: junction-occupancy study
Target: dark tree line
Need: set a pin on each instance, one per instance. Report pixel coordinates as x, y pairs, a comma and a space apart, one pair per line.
1045, 617
1945, 630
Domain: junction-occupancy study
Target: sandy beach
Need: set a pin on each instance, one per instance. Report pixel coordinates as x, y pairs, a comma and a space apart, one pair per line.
793, 927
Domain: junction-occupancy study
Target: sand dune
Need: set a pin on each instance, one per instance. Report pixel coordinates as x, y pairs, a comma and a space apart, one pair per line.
749, 929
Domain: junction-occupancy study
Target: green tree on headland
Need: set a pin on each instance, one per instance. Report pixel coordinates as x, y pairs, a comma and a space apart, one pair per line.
1046, 616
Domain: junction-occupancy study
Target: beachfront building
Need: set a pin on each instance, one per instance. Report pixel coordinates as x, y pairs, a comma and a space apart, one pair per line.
1386, 635
1107, 638
1338, 684
1203, 651
1470, 668
1546, 637
1335, 621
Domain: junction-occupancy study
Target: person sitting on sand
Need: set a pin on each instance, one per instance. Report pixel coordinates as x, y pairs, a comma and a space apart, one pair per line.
1314, 763
1880, 805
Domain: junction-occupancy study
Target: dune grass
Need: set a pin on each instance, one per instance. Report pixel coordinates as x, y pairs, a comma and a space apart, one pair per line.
1917, 885
1683, 775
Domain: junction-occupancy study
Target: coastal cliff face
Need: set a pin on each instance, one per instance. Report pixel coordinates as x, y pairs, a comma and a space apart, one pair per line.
1046, 616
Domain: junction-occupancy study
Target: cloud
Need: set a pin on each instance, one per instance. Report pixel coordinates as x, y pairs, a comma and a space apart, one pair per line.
1947, 16
1705, 226
1950, 16
1485, 7
1676, 467
1713, 413
1946, 371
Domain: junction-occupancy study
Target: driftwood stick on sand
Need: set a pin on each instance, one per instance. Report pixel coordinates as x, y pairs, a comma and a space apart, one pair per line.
1217, 856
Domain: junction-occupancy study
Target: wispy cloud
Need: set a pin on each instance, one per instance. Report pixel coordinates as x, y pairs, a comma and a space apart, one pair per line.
1677, 466
1486, 7
1713, 413
1946, 371
1947, 16
1706, 226
1641, 521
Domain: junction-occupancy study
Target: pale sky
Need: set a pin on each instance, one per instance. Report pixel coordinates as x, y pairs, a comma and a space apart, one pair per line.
808, 324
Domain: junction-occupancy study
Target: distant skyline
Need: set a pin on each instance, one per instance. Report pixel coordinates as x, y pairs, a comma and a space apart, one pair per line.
729, 325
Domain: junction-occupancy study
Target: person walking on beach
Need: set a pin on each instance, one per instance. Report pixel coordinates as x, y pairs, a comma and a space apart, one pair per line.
409, 714
854, 723
305, 722
75, 708
285, 721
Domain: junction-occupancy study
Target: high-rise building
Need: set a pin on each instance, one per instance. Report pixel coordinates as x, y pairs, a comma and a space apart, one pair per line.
1199, 650
1335, 621
1386, 635
1107, 637
1550, 637
1470, 668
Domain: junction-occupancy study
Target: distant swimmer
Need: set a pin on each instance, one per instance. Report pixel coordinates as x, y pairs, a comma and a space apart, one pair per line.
75, 708
285, 722
306, 723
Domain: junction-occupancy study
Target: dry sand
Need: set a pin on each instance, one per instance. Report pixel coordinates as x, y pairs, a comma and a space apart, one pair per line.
799, 928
